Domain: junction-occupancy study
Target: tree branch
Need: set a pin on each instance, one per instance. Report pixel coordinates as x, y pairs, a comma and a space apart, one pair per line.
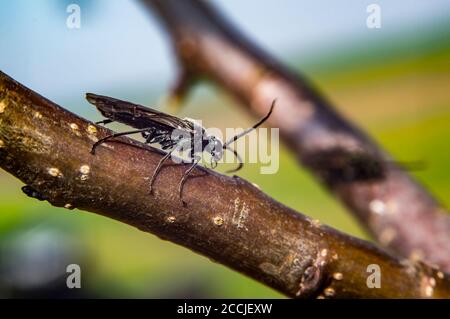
394, 208
227, 219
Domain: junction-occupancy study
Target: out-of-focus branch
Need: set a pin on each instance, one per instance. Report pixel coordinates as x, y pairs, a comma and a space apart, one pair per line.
226, 219
398, 211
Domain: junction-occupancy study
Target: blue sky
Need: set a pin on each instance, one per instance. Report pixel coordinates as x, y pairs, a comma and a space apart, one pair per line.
120, 45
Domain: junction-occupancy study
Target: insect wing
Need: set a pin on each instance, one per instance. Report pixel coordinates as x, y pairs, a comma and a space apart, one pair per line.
135, 115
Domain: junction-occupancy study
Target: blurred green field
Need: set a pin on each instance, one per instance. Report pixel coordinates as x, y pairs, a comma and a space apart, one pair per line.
398, 93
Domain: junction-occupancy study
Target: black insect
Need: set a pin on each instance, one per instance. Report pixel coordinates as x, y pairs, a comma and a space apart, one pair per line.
170, 132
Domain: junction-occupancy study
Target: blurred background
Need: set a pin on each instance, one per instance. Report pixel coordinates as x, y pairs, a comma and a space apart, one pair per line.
393, 81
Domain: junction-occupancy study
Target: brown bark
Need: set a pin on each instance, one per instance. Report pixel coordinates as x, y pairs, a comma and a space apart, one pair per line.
226, 219
401, 214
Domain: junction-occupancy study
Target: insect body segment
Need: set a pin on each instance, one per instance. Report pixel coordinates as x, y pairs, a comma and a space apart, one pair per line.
170, 132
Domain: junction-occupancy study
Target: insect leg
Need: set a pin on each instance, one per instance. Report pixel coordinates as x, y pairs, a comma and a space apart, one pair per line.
157, 169
31, 192
185, 176
103, 140
104, 122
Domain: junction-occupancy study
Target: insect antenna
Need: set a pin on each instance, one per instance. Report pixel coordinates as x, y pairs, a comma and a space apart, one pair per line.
238, 136
238, 157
